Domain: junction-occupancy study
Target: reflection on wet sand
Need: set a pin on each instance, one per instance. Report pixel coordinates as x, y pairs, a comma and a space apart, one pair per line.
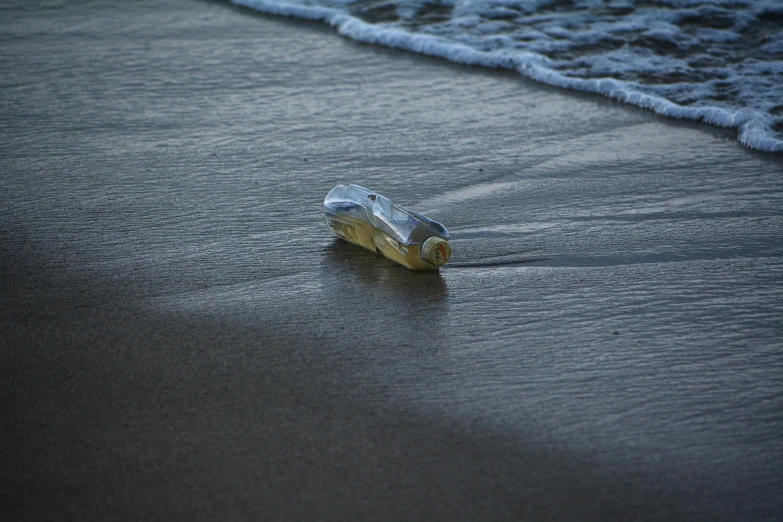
411, 303
347, 263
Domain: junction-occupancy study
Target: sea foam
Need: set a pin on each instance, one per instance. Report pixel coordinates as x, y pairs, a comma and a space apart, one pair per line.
715, 61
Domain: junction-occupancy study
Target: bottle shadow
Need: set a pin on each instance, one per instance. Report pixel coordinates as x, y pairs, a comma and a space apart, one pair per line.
346, 264
396, 305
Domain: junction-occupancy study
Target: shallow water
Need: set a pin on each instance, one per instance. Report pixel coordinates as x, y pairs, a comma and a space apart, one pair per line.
187, 339
718, 61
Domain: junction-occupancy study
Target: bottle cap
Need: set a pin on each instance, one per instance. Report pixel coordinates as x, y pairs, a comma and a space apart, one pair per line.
436, 251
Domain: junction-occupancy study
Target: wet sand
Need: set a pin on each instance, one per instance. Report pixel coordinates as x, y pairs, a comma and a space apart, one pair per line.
182, 339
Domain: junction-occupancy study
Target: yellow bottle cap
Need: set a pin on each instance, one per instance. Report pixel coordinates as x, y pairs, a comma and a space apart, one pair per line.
436, 251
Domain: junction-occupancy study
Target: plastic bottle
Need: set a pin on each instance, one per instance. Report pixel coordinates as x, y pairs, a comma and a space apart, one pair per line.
365, 218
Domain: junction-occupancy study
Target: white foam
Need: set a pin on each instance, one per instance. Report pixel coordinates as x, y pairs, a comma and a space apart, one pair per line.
744, 92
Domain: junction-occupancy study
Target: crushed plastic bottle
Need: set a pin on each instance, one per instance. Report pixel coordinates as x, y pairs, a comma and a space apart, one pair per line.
365, 218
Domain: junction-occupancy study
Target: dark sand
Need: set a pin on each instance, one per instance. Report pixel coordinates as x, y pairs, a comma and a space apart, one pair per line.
183, 340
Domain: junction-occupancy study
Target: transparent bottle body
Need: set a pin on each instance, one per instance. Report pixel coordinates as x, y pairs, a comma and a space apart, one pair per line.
370, 220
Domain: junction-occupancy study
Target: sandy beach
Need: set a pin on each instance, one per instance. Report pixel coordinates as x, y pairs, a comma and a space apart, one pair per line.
182, 339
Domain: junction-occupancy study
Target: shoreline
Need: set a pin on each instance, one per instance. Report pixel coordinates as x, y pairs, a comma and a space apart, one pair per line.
746, 133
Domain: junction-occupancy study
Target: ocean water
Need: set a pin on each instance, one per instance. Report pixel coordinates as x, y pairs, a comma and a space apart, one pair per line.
716, 61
